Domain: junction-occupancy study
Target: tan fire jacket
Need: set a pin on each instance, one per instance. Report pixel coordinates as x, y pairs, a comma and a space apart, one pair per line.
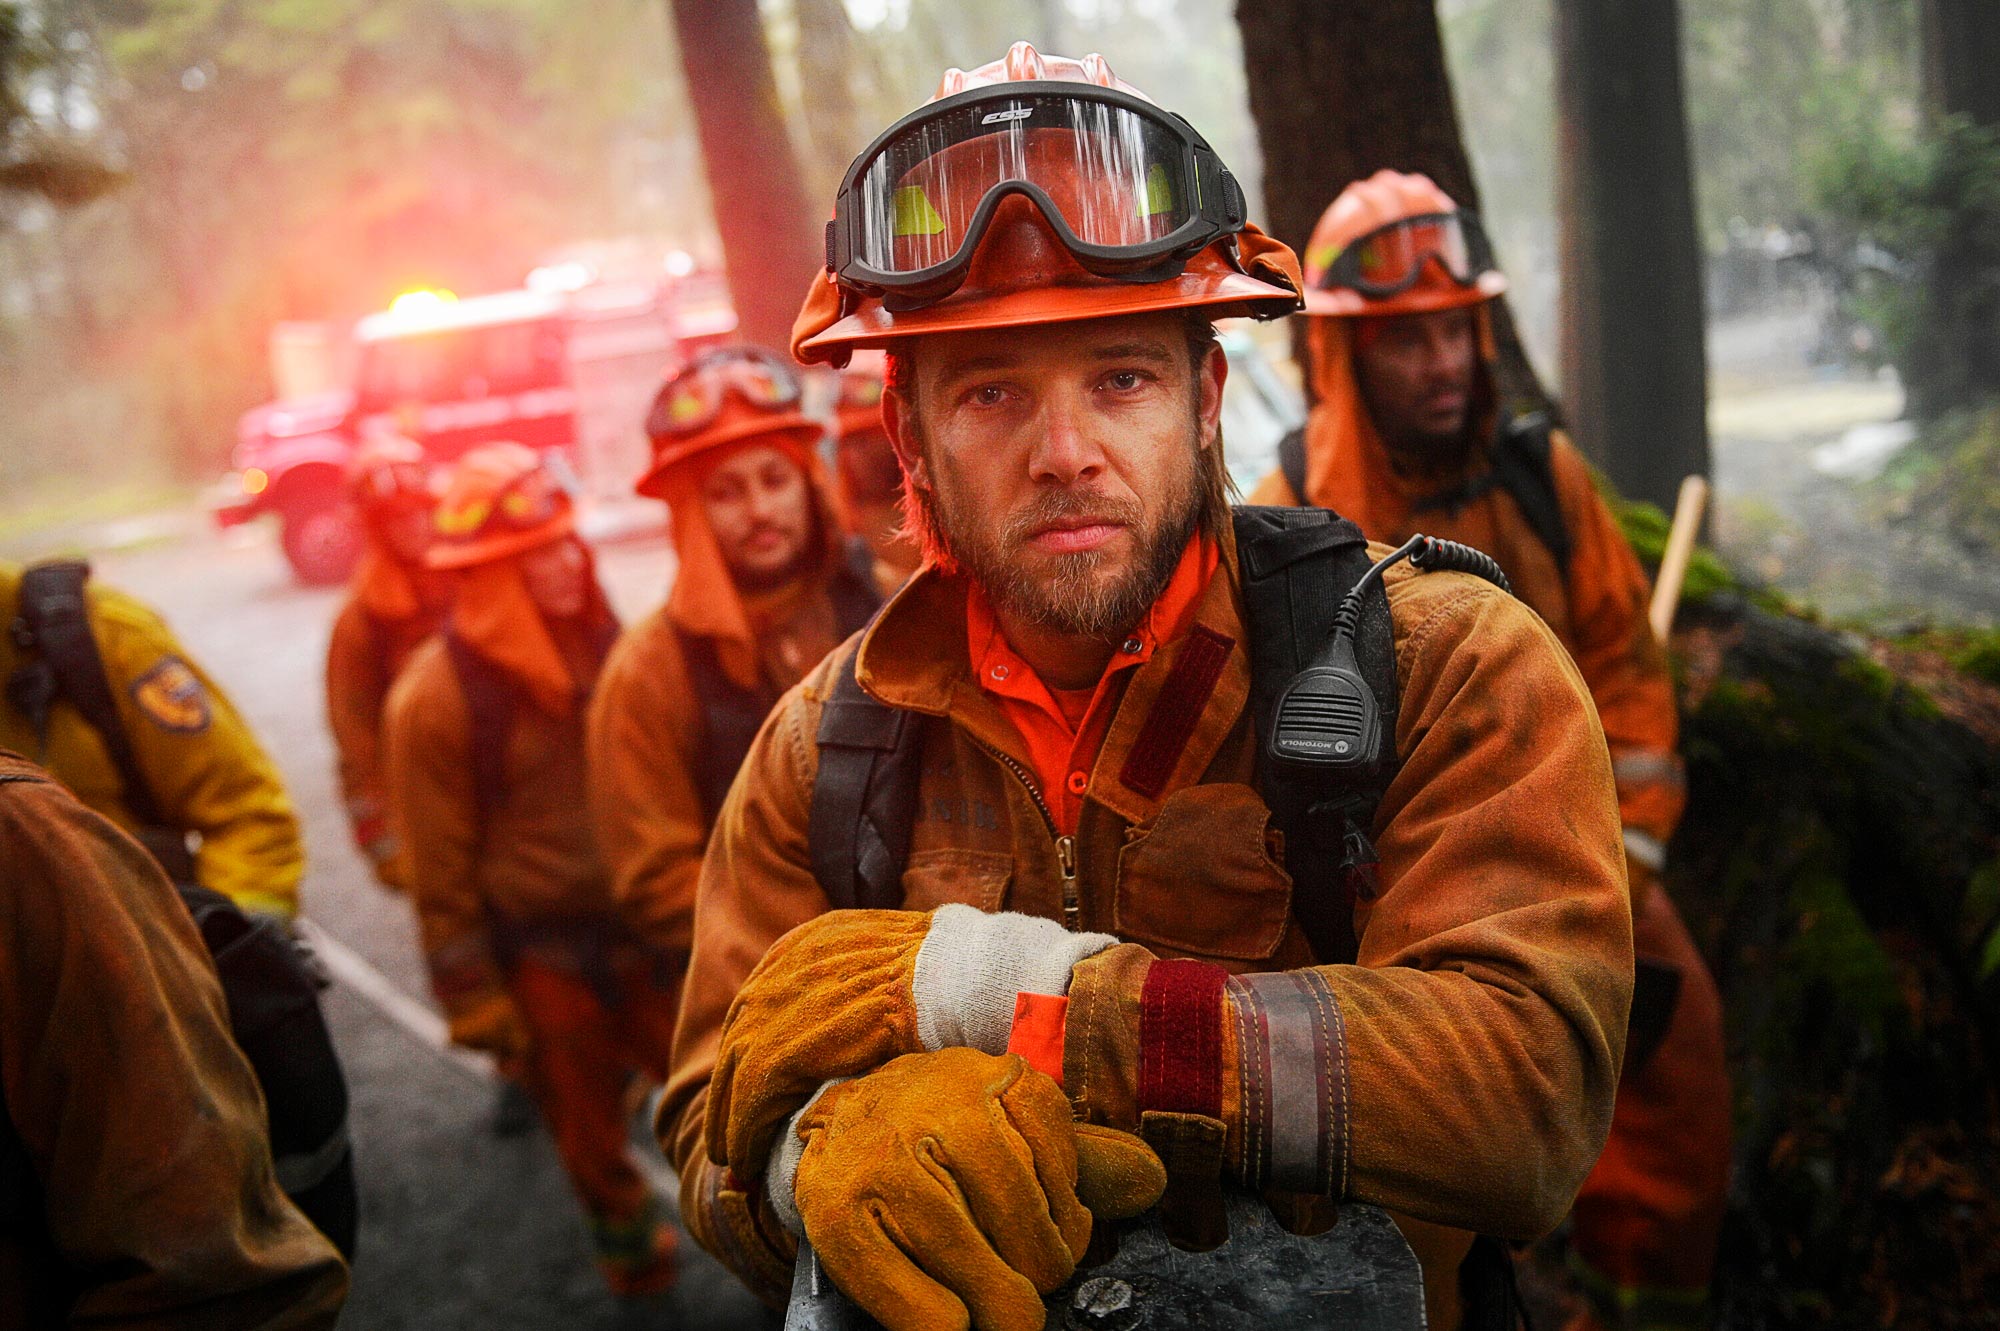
207, 772
364, 655
1483, 1027
646, 731
533, 862
142, 1125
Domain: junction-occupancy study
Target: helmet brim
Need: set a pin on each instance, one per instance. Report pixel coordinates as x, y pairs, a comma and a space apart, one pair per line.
790, 428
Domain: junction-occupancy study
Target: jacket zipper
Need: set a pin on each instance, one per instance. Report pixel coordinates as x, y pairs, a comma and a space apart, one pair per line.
1065, 845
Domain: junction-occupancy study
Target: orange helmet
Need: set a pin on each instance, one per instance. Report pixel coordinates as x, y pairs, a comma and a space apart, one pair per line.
390, 471
1035, 189
723, 397
1397, 244
502, 499
858, 408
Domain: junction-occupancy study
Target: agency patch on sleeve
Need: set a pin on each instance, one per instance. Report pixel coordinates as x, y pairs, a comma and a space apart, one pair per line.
172, 697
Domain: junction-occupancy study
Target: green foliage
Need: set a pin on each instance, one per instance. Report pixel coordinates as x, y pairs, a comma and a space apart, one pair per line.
1646, 529
1933, 201
1951, 477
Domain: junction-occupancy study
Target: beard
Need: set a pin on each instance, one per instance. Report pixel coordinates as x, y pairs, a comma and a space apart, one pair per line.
1088, 593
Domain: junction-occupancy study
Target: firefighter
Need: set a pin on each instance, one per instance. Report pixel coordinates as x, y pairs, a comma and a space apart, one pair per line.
161, 752
136, 1182
1079, 955
485, 751
767, 585
1408, 434
871, 484
394, 603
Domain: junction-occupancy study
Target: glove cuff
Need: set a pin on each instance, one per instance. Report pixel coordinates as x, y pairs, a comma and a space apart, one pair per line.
782, 1174
972, 965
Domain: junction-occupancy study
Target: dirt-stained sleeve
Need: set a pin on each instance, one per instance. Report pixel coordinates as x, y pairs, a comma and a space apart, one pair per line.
756, 885
204, 764
436, 818
1463, 1071
143, 1123
645, 803
1622, 662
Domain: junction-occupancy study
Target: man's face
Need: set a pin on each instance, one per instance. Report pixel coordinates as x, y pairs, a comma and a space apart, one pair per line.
760, 508
558, 578
1416, 374
1061, 466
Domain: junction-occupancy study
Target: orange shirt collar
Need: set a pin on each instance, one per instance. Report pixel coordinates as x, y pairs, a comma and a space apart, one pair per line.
1064, 755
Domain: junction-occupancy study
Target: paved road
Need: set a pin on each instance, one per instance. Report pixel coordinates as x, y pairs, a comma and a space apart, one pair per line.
459, 1229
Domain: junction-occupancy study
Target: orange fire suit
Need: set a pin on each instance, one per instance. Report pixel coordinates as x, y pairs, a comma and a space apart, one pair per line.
519, 929
384, 618
206, 770
1648, 1218
132, 1136
1485, 1019
646, 726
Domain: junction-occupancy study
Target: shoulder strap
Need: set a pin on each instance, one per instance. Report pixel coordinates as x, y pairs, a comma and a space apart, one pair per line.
864, 801
1297, 565
492, 699
855, 596
1522, 467
730, 718
1292, 461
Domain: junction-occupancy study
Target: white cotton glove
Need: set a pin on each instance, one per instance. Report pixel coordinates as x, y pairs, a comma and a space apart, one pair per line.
971, 965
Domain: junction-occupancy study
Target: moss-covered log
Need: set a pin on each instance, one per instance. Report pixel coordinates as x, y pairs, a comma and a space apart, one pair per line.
1840, 866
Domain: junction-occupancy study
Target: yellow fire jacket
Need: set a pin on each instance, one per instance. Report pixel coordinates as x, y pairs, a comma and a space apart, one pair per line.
207, 772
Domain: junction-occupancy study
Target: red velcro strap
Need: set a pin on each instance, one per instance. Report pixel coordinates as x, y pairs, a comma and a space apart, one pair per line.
1180, 1038
1171, 722
1037, 1033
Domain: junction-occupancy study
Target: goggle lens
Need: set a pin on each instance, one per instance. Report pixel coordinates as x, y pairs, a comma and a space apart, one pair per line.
693, 398
1391, 260
1118, 178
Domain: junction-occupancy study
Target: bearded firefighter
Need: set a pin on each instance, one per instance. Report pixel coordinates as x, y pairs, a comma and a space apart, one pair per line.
767, 585
1408, 434
1011, 920
486, 772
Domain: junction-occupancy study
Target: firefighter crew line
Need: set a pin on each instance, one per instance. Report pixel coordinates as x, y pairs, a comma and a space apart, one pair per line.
939, 844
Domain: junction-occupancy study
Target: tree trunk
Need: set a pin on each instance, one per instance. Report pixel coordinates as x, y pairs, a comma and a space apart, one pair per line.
1635, 369
1340, 90
771, 244
1961, 58
827, 55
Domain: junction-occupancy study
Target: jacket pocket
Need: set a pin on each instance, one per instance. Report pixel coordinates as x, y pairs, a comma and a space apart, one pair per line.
971, 877
1204, 878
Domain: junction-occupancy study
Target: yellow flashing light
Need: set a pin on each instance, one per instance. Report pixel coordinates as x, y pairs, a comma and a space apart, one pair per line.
422, 301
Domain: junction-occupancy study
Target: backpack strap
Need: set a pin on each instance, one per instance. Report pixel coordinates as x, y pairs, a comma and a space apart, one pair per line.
492, 699
864, 800
1522, 466
53, 623
730, 718
1297, 565
1292, 462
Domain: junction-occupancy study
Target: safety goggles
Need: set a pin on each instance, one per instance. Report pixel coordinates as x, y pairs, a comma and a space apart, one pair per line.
1390, 260
529, 502
692, 399
1131, 190
859, 392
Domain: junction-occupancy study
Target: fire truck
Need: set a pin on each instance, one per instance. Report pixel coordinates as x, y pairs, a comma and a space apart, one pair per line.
565, 370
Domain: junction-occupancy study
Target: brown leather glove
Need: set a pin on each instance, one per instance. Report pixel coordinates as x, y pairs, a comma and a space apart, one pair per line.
831, 999
491, 1022
952, 1189
846, 992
